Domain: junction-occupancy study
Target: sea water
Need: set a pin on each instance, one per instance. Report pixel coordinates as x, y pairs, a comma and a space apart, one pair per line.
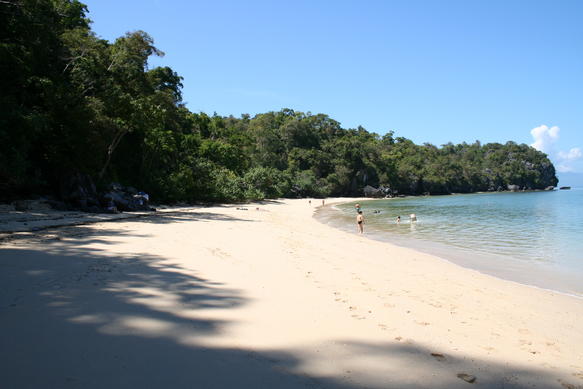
535, 238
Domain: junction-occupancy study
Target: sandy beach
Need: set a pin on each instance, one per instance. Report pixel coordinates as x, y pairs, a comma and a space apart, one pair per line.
264, 296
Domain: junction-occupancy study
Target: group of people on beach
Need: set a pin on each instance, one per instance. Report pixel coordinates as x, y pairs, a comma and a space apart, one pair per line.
360, 218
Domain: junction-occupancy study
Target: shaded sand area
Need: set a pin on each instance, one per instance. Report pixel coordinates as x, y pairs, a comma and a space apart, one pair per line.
220, 297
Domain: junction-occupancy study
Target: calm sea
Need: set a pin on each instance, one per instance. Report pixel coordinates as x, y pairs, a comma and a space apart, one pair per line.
535, 238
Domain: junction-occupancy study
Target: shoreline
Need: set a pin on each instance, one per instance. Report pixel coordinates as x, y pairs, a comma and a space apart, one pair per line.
268, 297
527, 273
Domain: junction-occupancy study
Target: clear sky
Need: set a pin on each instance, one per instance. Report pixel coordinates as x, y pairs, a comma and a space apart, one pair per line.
432, 71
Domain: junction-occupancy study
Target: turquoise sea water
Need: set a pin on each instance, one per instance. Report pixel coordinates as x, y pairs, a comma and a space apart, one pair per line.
534, 238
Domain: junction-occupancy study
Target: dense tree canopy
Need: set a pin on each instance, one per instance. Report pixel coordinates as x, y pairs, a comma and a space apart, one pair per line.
74, 103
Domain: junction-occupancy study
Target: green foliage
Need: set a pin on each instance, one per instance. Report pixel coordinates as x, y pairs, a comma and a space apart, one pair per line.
226, 186
266, 182
306, 184
72, 102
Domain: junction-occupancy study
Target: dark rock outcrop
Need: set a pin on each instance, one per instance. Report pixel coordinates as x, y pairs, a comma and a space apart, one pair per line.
126, 199
382, 191
79, 192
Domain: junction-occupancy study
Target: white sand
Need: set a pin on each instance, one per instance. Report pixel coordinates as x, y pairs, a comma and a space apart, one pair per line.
222, 297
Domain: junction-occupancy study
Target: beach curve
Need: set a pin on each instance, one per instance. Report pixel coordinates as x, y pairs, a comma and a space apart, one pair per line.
263, 295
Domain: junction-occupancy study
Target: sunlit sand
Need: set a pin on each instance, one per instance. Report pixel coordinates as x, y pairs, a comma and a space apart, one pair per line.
267, 296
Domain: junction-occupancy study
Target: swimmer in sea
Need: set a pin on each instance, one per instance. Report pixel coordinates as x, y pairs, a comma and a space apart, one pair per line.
398, 219
360, 222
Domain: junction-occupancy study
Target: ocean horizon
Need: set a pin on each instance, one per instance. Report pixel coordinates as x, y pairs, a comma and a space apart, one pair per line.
533, 238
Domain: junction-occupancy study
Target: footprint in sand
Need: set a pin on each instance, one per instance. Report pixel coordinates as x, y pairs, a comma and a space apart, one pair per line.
219, 253
568, 385
440, 357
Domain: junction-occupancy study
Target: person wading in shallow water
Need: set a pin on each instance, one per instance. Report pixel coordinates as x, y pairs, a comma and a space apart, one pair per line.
360, 222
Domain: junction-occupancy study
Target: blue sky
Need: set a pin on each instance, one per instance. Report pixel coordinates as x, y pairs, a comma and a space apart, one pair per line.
432, 71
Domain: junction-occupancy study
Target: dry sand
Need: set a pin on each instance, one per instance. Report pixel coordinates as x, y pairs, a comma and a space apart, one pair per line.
220, 297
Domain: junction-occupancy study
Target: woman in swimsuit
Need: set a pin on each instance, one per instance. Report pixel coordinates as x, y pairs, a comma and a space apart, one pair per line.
360, 222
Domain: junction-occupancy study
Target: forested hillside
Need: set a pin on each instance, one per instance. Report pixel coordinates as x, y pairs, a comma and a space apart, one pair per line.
73, 103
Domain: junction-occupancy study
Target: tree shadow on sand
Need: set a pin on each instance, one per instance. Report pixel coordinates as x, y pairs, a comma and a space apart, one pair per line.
187, 216
87, 233
77, 318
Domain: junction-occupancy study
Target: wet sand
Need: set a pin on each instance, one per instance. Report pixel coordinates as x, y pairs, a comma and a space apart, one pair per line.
525, 270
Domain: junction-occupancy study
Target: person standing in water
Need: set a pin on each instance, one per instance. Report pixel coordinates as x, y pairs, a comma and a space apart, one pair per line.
360, 222
398, 219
